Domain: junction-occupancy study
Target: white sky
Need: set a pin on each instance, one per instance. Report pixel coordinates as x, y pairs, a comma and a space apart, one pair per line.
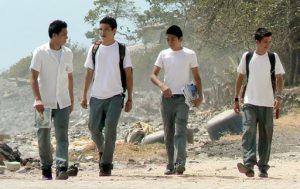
24, 25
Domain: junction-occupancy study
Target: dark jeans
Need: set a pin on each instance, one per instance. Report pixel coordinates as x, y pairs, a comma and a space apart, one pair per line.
104, 115
175, 118
61, 123
262, 118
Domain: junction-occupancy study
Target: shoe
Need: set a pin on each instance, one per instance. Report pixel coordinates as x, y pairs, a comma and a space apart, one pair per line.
263, 174
73, 170
245, 169
105, 169
170, 172
61, 173
180, 169
47, 174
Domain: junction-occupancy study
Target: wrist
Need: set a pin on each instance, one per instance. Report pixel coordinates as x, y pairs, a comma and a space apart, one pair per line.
278, 96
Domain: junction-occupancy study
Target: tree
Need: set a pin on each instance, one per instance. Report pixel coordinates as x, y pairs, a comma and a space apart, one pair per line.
294, 42
123, 10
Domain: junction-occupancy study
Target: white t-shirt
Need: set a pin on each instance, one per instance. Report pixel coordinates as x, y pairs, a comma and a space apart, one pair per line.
259, 90
107, 76
177, 67
53, 75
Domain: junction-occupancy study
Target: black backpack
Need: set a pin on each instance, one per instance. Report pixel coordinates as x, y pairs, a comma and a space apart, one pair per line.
122, 56
273, 77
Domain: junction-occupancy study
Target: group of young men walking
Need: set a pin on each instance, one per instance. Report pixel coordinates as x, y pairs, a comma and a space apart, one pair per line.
109, 72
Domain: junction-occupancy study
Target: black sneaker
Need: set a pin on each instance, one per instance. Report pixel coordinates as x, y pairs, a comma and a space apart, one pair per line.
245, 169
105, 169
180, 169
170, 172
73, 170
61, 173
47, 174
263, 174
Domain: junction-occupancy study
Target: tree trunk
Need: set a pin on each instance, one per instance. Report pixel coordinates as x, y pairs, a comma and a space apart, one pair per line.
294, 35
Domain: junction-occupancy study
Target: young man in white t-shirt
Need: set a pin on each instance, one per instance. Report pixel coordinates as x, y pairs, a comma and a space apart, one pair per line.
177, 62
107, 95
259, 101
52, 85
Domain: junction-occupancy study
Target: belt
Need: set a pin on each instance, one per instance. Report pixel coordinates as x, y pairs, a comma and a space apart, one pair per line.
177, 95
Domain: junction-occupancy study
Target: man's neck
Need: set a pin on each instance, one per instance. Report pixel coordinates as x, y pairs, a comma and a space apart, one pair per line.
177, 48
108, 42
54, 46
260, 51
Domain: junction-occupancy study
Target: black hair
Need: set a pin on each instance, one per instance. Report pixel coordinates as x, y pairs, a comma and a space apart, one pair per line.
110, 21
261, 33
174, 30
56, 26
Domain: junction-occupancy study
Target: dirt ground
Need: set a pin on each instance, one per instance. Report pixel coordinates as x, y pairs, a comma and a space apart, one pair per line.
210, 165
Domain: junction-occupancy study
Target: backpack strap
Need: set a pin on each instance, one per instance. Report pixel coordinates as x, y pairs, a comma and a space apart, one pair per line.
273, 77
121, 63
94, 51
248, 58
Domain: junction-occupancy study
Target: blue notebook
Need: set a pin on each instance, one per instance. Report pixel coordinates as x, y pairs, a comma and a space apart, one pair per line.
190, 93
43, 120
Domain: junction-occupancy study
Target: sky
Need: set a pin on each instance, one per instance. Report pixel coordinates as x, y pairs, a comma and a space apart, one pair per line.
24, 25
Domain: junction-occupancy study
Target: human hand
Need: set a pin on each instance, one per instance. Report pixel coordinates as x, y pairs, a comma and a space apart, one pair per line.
83, 103
128, 105
39, 106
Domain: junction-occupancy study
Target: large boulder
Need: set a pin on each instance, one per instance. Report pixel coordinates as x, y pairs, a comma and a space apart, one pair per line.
158, 137
227, 122
8, 154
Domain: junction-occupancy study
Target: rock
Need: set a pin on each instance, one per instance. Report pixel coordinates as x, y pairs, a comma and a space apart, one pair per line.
2, 169
135, 136
13, 166
227, 122
157, 137
8, 153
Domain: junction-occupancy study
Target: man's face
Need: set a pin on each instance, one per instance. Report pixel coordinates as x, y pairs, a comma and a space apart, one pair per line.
173, 41
265, 44
106, 32
62, 37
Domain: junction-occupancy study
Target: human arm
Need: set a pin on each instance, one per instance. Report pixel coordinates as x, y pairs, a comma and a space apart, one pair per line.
38, 104
198, 84
87, 81
279, 88
163, 87
238, 85
71, 90
129, 84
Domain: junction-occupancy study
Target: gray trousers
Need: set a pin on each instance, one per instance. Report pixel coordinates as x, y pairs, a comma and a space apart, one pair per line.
261, 117
175, 118
104, 115
61, 123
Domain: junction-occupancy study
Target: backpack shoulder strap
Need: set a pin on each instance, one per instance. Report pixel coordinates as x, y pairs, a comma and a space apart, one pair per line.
94, 51
121, 63
248, 58
273, 77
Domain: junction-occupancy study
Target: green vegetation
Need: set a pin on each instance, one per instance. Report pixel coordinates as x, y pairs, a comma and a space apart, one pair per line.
219, 31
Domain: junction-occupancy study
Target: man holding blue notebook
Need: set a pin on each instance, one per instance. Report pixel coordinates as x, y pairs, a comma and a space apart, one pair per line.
178, 62
52, 85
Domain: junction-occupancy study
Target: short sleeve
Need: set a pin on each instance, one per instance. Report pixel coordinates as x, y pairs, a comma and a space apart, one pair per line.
159, 61
193, 62
89, 59
242, 66
36, 61
127, 59
69, 67
278, 65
